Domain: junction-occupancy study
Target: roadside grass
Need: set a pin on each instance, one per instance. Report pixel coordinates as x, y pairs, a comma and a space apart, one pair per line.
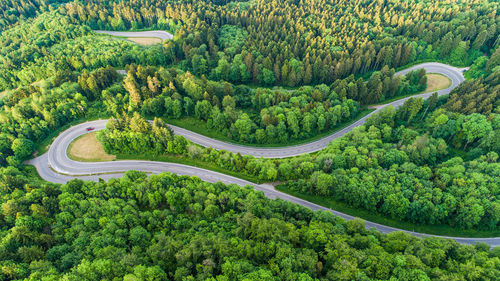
443, 230
87, 148
272, 88
142, 41
145, 41
200, 127
191, 162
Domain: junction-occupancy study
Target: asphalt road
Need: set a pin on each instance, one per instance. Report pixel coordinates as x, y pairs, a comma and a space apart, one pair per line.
163, 35
453, 73
55, 165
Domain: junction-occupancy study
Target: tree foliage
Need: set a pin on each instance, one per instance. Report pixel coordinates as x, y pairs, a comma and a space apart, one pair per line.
410, 175
432, 162
168, 227
293, 43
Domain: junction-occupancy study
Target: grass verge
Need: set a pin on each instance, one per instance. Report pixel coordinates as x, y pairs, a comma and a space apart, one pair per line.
197, 126
436, 82
87, 148
444, 230
145, 41
31, 172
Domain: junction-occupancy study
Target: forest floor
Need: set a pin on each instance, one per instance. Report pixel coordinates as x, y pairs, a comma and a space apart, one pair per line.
145, 41
88, 148
436, 82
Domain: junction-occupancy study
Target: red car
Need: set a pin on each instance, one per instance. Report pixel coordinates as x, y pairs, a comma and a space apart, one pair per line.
90, 129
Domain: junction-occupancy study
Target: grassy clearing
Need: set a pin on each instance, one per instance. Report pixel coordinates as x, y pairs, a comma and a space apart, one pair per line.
145, 41
88, 148
188, 161
436, 82
197, 126
343, 207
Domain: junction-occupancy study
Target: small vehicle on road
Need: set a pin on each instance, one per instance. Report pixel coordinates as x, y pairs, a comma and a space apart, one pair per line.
89, 129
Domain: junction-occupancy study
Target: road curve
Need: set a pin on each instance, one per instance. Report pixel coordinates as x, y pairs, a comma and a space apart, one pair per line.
55, 165
163, 35
455, 75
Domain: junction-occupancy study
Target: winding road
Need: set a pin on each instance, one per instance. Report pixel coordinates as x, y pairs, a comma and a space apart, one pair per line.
56, 166
454, 74
163, 35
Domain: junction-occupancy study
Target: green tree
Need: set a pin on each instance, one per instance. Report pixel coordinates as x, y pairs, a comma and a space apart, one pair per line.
268, 76
244, 127
203, 109
459, 55
475, 126
22, 148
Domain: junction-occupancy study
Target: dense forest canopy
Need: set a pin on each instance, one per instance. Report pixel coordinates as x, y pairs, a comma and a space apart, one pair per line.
59, 47
14, 11
301, 42
385, 166
295, 44
256, 72
50, 46
167, 227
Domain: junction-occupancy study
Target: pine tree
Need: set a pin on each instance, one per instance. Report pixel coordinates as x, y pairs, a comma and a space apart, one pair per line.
133, 89
308, 75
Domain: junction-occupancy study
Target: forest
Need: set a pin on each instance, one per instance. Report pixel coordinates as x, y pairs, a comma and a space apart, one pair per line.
293, 43
250, 115
167, 227
380, 166
234, 111
50, 46
233, 43
259, 73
